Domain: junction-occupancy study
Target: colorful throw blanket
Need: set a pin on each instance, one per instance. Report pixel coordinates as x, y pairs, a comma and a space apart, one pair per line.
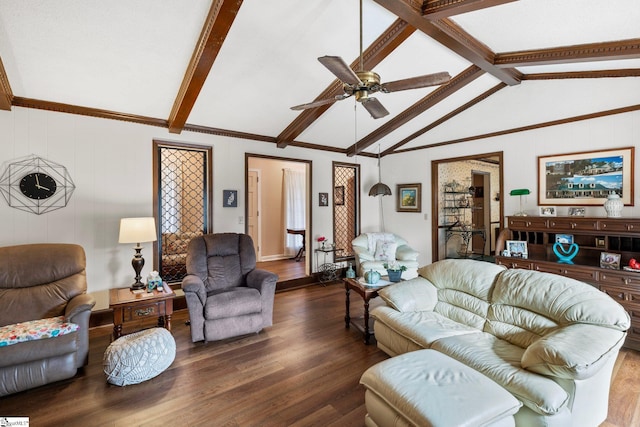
35, 330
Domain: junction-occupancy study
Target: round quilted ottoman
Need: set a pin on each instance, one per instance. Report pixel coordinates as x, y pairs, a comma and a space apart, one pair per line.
138, 357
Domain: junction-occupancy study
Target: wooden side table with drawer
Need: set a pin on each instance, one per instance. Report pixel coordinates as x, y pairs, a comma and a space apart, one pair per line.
130, 307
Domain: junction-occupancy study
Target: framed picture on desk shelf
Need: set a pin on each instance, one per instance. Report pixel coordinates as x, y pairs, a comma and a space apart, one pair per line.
517, 248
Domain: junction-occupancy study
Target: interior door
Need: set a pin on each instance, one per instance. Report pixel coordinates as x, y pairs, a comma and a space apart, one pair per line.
481, 211
253, 225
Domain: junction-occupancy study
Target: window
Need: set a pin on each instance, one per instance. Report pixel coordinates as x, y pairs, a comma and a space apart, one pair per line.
346, 207
182, 186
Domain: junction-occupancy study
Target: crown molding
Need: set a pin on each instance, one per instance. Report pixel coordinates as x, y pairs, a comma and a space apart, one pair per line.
607, 51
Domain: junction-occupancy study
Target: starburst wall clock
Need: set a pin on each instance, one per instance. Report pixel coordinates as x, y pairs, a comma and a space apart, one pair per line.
36, 185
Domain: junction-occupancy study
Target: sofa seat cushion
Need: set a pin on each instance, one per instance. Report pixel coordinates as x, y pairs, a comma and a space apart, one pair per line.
428, 388
35, 330
500, 361
232, 303
421, 327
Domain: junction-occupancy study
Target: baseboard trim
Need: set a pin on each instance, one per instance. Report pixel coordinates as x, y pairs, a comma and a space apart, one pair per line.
104, 317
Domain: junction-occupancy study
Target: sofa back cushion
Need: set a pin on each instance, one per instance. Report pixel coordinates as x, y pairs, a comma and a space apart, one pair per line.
221, 260
464, 288
528, 305
38, 280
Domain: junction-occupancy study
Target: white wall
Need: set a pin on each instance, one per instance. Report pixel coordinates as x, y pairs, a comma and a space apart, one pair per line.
520, 169
110, 164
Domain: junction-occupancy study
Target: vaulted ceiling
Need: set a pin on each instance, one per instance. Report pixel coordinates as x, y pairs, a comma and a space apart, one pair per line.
234, 68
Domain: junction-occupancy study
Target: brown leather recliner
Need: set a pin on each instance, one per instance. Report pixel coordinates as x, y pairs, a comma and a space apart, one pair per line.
42, 281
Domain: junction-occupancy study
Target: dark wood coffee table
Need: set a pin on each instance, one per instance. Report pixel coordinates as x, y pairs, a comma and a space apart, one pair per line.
130, 307
364, 325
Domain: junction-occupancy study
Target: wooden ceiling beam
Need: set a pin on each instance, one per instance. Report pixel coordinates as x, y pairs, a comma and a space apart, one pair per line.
438, 9
452, 37
216, 27
389, 40
606, 51
445, 118
456, 83
541, 125
6, 95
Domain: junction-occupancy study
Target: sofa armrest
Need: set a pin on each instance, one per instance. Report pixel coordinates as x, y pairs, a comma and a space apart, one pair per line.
562, 353
406, 253
262, 280
363, 254
417, 294
78, 304
192, 284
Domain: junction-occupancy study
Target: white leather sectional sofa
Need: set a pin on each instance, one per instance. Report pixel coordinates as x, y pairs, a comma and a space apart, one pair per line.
550, 341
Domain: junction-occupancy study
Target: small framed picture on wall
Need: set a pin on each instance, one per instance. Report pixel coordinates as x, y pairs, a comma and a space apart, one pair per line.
230, 198
323, 199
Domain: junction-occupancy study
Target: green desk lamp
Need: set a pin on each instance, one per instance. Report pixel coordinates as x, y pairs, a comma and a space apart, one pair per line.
520, 192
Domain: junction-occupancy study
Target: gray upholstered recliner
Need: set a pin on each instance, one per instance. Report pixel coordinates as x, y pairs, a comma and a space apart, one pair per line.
226, 295
44, 314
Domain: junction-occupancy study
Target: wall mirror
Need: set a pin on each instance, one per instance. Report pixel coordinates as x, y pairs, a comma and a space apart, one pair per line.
467, 206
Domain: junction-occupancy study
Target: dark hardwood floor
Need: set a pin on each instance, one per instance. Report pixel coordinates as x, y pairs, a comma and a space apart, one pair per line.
303, 371
286, 269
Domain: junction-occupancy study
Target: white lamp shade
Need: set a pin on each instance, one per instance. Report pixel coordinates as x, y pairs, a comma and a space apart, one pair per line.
137, 230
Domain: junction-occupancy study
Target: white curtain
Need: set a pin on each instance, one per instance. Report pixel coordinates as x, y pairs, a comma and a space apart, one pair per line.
294, 209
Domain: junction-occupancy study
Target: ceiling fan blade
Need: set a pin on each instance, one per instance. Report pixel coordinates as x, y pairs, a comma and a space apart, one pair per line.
374, 107
416, 82
319, 103
340, 69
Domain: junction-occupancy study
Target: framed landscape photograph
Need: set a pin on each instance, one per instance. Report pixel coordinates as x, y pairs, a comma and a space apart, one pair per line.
586, 179
565, 239
517, 248
409, 198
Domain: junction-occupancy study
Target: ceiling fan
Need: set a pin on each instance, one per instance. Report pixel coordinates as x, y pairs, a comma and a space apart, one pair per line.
363, 83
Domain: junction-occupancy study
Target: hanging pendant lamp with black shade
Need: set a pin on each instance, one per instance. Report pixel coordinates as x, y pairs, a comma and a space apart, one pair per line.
380, 189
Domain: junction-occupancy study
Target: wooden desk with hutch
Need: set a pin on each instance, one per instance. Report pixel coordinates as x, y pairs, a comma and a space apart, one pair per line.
593, 235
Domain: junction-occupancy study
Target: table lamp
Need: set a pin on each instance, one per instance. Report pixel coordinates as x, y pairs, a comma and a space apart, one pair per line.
520, 192
137, 230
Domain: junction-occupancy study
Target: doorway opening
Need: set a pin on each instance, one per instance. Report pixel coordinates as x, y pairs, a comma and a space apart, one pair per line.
182, 207
346, 208
278, 213
467, 209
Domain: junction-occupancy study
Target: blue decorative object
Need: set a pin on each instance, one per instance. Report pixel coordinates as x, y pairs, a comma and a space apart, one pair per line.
565, 254
351, 274
394, 275
371, 277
